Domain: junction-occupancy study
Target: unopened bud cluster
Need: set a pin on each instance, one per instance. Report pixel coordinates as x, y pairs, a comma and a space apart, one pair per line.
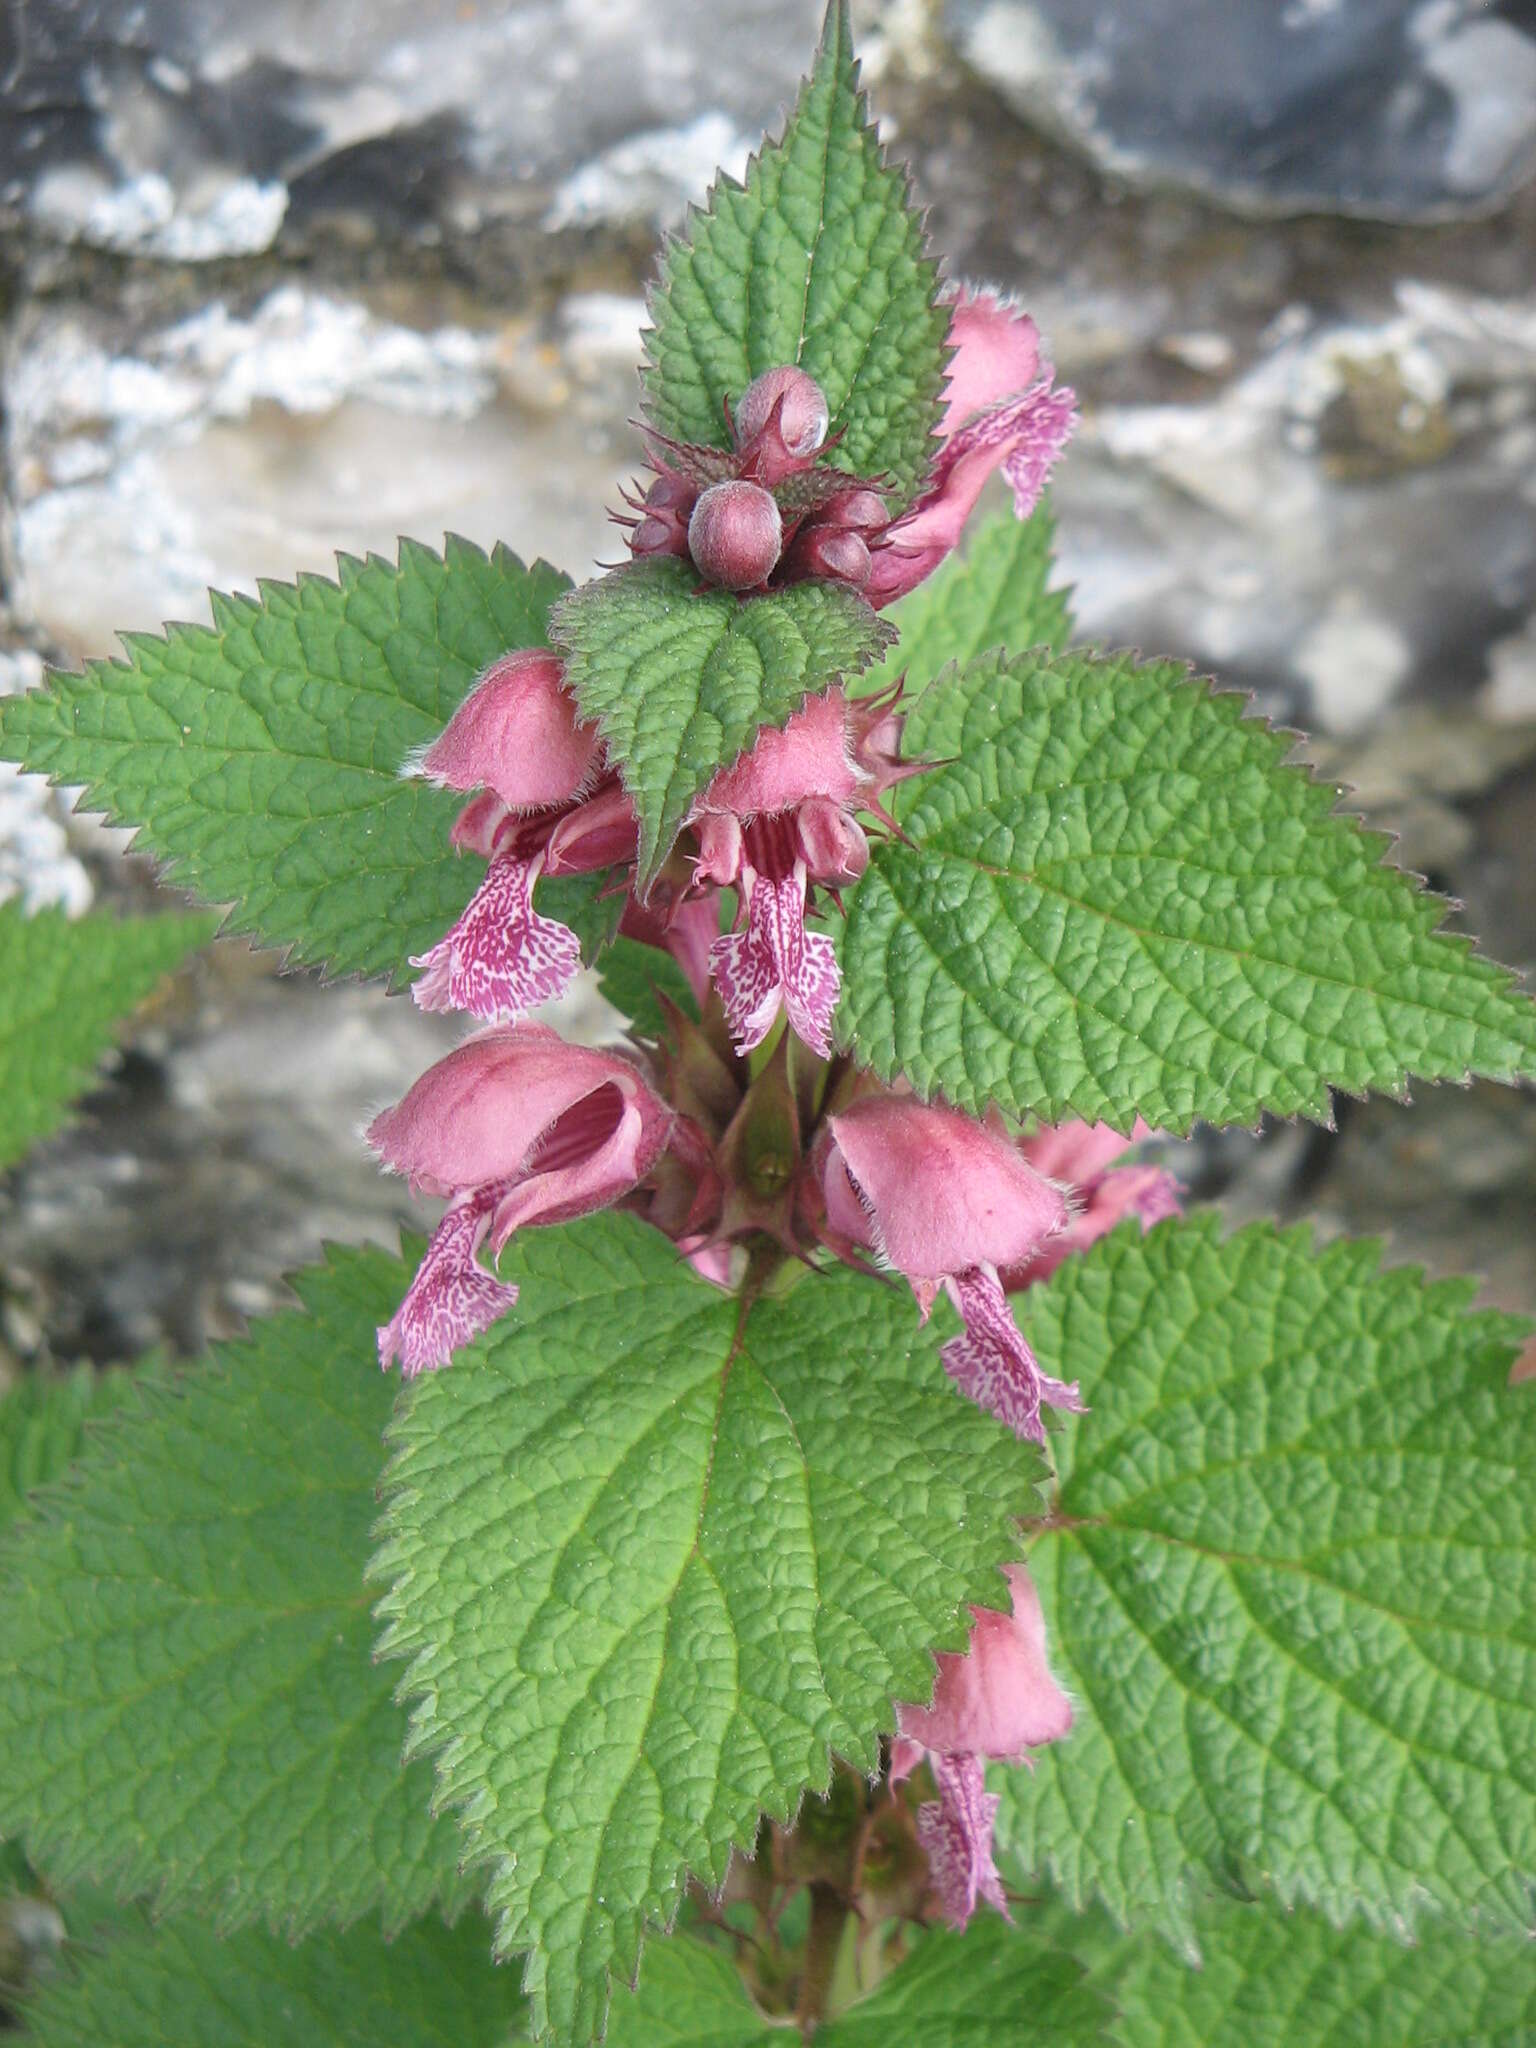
762, 512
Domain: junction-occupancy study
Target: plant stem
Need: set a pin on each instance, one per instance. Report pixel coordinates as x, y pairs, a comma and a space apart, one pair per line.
829, 1916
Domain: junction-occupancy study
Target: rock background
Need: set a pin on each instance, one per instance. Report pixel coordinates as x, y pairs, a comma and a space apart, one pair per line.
280, 278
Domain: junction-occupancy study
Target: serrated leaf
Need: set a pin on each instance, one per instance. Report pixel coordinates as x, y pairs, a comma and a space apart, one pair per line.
993, 591
819, 260
680, 679
42, 1426
997, 1983
262, 756
1290, 1580
180, 1986
1120, 900
635, 977
654, 1557
66, 989
1270, 1979
187, 1705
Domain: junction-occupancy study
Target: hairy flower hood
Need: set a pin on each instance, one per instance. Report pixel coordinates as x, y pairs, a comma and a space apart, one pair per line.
1001, 411
811, 757
517, 733
998, 1699
933, 1191
568, 1128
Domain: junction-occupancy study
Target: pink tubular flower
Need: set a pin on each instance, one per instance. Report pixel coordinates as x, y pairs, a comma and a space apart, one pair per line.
517, 735
949, 1202
544, 805
998, 1701
517, 1128
1001, 411
772, 824
1082, 1156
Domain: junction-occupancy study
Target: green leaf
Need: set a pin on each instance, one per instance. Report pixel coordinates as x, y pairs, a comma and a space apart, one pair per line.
995, 1984
680, 679
1269, 1979
654, 1555
187, 1704
180, 1986
1290, 1580
262, 756
635, 977
819, 260
66, 990
993, 591
42, 1426
1120, 900
588, 904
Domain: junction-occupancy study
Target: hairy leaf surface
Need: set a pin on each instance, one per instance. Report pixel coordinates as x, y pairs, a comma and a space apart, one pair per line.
42, 1426
1120, 900
635, 978
180, 1986
187, 1702
997, 1984
818, 259
1271, 1979
66, 990
1290, 1580
655, 1557
262, 756
680, 679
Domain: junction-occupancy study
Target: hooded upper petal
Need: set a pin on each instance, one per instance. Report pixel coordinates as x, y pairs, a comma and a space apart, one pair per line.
942, 1192
997, 354
517, 733
999, 1699
810, 756
477, 1116
1077, 1152
1084, 1155
1001, 411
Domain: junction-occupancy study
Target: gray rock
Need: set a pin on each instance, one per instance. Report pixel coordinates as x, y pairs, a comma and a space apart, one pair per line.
1338, 524
190, 129
1401, 109
258, 435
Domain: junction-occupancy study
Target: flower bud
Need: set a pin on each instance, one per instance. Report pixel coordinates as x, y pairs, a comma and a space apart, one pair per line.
735, 535
663, 528
829, 552
860, 510
803, 416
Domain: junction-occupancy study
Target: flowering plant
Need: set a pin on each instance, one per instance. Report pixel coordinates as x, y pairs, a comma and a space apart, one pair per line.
854, 1552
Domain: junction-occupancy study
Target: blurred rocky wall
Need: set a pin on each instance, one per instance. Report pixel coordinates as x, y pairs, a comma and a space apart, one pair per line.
280, 279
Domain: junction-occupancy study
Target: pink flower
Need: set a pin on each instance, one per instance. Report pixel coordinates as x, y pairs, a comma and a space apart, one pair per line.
1082, 1156
772, 824
1001, 410
544, 805
998, 1701
517, 735
517, 1128
949, 1202
501, 959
